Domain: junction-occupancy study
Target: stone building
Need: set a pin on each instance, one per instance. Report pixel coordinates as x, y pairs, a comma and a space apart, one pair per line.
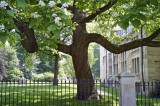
138, 60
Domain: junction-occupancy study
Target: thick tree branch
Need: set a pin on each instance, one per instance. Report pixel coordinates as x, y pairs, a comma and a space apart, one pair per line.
98, 12
154, 35
64, 48
93, 37
74, 6
28, 39
27, 35
97, 38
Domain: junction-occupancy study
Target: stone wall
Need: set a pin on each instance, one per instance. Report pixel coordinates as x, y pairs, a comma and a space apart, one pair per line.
153, 60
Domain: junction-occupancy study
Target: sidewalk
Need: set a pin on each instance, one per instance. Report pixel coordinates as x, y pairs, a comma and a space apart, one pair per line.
103, 93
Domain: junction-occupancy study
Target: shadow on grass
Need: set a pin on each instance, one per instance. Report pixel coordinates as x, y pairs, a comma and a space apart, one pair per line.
47, 95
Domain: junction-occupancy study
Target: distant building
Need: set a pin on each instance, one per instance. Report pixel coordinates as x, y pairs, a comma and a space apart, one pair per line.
131, 61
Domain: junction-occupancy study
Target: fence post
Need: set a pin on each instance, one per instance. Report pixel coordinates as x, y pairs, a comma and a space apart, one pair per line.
127, 89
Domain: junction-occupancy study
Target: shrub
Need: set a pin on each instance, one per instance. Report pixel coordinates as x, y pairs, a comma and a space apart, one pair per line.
47, 76
156, 91
37, 76
14, 74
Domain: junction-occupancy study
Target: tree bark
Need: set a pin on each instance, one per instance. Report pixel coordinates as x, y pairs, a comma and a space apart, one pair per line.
79, 53
85, 82
55, 80
28, 39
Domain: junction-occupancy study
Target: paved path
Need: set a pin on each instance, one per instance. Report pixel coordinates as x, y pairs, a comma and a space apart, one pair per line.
103, 93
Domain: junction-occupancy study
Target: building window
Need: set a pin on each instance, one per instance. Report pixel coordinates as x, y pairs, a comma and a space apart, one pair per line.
110, 70
123, 62
115, 62
115, 69
135, 65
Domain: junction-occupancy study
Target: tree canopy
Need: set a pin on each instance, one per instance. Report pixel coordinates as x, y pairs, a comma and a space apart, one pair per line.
51, 22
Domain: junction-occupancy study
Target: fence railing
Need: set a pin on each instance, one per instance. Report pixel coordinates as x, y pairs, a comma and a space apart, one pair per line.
36, 93
149, 95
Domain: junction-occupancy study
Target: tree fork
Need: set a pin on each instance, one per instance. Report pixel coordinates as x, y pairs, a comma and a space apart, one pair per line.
85, 81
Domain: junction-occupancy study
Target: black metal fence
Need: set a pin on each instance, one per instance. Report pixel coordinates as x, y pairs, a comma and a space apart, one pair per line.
36, 93
148, 94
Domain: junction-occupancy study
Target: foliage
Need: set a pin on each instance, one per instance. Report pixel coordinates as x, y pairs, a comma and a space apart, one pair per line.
155, 92
96, 66
47, 76
14, 74
31, 62
91, 57
66, 68
9, 62
35, 14
13, 62
3, 63
124, 13
45, 65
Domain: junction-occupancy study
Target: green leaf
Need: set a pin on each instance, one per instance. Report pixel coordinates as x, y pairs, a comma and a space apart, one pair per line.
57, 34
154, 2
10, 12
2, 37
123, 25
141, 17
21, 3
33, 23
136, 23
32, 2
51, 28
16, 28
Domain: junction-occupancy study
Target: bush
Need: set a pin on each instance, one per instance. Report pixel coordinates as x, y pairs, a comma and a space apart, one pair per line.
14, 74
37, 76
156, 91
47, 76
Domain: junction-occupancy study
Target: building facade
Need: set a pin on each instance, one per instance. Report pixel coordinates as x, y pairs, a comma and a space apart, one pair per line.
143, 61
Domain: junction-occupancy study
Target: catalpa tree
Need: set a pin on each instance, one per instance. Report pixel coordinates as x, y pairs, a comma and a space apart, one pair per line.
46, 24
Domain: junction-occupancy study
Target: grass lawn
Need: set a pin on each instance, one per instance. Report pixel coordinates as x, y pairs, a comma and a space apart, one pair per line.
45, 94
141, 99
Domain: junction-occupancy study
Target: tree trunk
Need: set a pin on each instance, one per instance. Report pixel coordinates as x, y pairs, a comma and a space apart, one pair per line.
85, 82
79, 53
55, 80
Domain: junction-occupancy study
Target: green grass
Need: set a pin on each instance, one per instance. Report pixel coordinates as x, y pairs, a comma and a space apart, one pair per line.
62, 95
47, 95
141, 99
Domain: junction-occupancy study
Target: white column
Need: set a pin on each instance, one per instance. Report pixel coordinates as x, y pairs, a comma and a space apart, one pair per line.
127, 89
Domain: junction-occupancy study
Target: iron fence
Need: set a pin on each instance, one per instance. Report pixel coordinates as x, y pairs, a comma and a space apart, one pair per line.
149, 95
36, 93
